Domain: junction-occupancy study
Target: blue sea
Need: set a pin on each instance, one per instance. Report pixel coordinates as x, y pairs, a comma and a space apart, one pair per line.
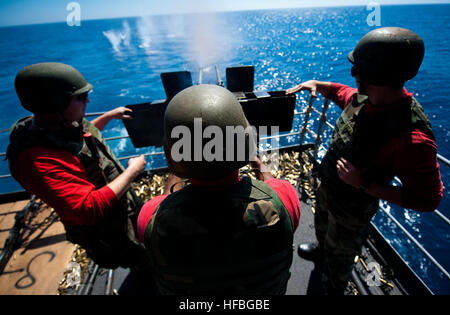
123, 59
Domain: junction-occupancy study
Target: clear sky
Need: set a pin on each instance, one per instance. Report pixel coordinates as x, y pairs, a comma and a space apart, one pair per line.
18, 12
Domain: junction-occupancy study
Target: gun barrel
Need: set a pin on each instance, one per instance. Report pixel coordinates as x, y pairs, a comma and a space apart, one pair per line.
200, 76
219, 80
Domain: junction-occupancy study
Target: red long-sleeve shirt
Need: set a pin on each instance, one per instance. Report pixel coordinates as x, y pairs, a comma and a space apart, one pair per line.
59, 179
412, 156
283, 188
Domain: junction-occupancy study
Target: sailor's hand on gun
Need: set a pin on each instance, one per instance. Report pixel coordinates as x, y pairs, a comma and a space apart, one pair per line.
137, 165
120, 113
117, 113
121, 183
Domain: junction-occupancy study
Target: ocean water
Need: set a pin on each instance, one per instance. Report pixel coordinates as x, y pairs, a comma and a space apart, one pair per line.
123, 59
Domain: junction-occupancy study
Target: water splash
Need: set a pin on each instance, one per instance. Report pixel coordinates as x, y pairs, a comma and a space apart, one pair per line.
145, 29
203, 37
120, 38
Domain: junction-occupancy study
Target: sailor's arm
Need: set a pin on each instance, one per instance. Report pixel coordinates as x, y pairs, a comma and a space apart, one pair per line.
402, 196
340, 94
285, 191
117, 113
418, 170
421, 188
353, 176
121, 183
59, 179
313, 86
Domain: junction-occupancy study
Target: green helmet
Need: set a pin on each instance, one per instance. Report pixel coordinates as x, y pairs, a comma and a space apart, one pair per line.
49, 87
388, 56
207, 135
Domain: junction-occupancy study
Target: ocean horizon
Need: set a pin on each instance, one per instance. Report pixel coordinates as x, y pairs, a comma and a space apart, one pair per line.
124, 57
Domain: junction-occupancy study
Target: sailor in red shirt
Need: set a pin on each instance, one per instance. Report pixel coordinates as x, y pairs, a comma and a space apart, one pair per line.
63, 185
63, 159
382, 132
412, 155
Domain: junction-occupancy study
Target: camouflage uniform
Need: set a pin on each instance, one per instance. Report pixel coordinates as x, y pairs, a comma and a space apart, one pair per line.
234, 241
344, 212
341, 234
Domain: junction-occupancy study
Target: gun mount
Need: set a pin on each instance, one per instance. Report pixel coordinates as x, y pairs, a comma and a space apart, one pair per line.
262, 108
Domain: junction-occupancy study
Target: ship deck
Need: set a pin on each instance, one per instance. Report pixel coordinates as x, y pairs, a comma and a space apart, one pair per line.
38, 265
305, 275
41, 264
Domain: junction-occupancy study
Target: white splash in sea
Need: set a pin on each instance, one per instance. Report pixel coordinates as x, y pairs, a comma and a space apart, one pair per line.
119, 38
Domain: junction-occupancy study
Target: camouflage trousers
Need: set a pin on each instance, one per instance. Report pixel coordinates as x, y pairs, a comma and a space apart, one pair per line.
340, 233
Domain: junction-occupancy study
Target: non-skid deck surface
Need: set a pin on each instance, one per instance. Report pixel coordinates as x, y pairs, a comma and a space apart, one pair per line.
305, 275
38, 265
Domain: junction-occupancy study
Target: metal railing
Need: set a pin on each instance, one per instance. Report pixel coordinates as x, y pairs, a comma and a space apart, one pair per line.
323, 122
